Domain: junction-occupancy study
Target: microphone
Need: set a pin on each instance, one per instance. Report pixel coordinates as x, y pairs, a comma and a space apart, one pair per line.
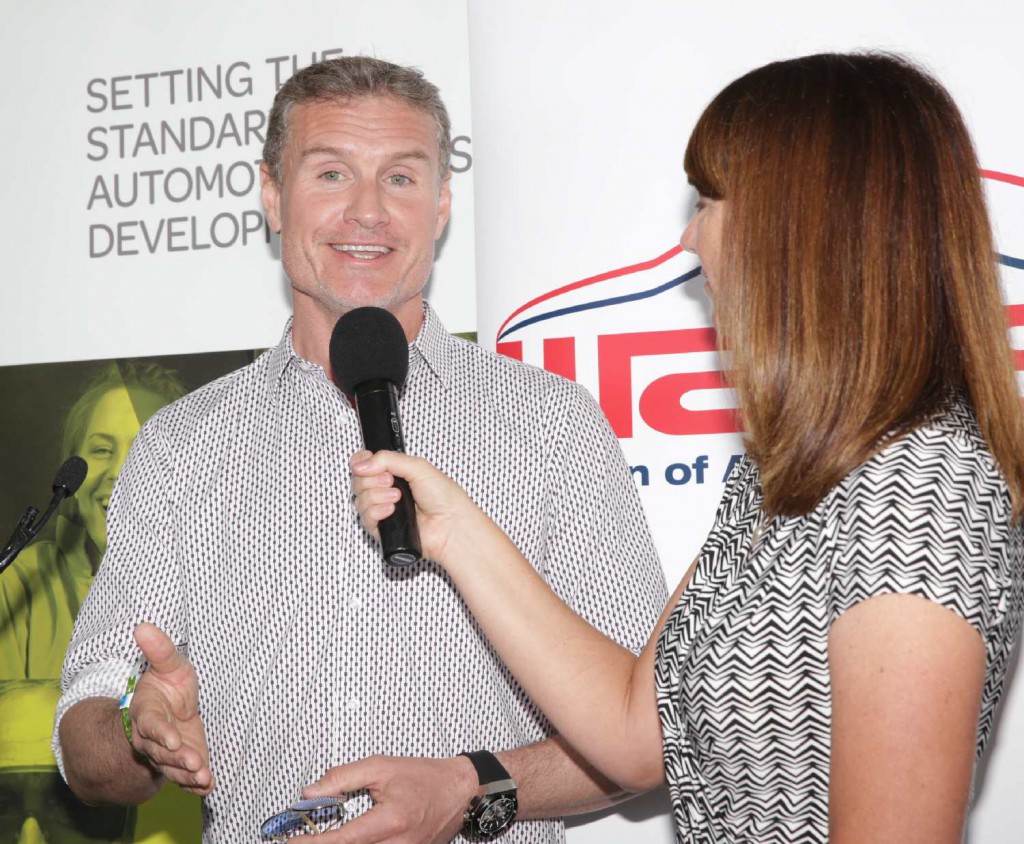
69, 477
370, 359
66, 483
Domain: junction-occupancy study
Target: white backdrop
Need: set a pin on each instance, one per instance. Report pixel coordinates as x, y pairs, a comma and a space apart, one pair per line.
581, 112
79, 77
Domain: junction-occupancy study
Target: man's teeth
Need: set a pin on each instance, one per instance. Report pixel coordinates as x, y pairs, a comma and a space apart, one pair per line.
366, 252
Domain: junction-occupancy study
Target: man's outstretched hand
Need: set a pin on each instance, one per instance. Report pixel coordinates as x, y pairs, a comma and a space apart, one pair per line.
166, 727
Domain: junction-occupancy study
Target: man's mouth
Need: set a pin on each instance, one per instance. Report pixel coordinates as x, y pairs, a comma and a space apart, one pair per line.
364, 252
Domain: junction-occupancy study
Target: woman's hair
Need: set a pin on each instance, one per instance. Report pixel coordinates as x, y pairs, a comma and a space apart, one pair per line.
858, 284
132, 375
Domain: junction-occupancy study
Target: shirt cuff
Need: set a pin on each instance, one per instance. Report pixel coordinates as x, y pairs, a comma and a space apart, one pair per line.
107, 679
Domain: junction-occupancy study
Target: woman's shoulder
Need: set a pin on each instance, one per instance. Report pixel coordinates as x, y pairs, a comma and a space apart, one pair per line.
929, 514
946, 449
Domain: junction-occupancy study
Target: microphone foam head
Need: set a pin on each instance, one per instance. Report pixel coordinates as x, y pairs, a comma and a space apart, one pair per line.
70, 475
368, 344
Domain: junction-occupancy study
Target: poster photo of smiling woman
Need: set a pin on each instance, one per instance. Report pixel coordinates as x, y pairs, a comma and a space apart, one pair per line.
42, 592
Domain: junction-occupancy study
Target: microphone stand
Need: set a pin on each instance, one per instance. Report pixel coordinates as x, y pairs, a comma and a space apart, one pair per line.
28, 528
69, 478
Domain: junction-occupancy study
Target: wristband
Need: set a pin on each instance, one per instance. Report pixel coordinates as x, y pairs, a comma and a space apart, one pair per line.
126, 702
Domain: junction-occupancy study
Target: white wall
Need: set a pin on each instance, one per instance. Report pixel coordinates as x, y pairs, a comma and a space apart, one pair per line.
581, 112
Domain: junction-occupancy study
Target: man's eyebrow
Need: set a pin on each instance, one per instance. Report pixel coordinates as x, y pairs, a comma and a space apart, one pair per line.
339, 152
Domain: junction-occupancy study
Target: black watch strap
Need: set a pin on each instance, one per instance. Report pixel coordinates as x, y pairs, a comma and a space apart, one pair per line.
488, 768
495, 807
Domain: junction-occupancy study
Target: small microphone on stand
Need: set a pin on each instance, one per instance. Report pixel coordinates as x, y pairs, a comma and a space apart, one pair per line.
66, 483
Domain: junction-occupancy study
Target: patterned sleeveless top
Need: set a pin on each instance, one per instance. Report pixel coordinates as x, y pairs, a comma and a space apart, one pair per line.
742, 664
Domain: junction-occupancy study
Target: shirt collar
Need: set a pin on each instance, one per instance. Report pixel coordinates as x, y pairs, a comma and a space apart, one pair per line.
433, 346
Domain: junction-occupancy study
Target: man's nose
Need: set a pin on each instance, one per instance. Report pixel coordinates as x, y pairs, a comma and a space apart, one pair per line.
366, 205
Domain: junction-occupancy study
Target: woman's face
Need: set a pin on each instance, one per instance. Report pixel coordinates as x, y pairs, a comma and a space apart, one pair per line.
703, 236
115, 421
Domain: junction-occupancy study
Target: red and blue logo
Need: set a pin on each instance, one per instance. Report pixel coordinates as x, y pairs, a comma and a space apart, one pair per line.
618, 332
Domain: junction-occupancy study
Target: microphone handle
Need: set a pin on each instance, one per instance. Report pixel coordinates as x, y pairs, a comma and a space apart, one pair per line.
377, 406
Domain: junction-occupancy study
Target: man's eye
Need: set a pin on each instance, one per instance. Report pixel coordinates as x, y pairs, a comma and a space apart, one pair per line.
331, 176
399, 179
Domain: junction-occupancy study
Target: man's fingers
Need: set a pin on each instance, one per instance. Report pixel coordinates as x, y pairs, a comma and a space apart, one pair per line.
185, 767
200, 782
376, 825
343, 779
153, 728
180, 756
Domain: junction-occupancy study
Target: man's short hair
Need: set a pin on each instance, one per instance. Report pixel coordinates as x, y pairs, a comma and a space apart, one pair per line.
351, 77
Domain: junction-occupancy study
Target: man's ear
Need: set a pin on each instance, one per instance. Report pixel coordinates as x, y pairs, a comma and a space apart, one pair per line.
270, 191
444, 206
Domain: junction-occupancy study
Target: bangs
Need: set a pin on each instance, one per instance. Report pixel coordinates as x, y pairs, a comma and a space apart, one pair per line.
707, 153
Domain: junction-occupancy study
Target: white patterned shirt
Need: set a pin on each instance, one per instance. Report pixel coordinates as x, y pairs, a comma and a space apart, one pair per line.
742, 664
232, 528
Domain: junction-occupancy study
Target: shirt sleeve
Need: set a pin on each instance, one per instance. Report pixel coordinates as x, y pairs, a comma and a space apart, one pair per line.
600, 557
927, 516
138, 580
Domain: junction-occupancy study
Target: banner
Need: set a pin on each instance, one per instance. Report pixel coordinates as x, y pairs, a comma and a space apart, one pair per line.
137, 249
133, 221
581, 113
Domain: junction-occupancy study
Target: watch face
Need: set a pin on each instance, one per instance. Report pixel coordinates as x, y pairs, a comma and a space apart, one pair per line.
497, 814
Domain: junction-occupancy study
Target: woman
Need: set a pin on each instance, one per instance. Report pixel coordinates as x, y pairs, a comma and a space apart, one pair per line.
45, 587
830, 666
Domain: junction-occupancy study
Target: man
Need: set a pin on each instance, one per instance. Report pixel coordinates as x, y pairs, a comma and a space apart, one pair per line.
231, 530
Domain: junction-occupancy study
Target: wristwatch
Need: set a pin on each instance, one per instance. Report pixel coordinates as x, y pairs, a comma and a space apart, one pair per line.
495, 807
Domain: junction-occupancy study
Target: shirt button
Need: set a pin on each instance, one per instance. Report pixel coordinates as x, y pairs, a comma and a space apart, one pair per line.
356, 604
352, 704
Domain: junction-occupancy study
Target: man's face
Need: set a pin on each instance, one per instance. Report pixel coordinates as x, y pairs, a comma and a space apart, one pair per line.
359, 206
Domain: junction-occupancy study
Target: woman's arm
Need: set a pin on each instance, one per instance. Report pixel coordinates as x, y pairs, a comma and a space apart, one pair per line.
597, 694
907, 677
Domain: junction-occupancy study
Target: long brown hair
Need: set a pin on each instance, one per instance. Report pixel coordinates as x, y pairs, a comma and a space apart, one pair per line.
859, 280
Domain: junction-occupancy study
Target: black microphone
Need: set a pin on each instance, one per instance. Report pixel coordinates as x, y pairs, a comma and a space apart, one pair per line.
66, 483
370, 359
69, 477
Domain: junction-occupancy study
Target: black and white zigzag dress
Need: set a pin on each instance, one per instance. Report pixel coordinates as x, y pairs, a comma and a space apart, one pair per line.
742, 664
